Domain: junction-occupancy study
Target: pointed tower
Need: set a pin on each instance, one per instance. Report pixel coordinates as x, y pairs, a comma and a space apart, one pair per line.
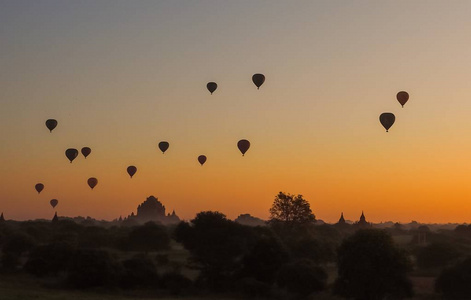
341, 220
55, 219
2, 219
362, 223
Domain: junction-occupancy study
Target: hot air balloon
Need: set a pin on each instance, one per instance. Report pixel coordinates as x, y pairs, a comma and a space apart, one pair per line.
54, 202
51, 124
258, 80
163, 146
86, 151
243, 146
212, 86
387, 120
402, 97
132, 170
39, 187
202, 159
92, 182
71, 154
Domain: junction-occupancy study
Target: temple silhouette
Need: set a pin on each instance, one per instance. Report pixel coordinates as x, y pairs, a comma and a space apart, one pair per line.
153, 210
360, 224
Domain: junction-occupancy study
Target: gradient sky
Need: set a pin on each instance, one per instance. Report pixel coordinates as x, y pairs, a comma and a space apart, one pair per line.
120, 76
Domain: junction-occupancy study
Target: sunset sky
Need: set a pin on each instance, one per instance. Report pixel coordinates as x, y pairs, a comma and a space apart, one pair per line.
121, 76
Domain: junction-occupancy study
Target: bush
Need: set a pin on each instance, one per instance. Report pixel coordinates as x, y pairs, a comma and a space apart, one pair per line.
252, 287
371, 267
175, 283
162, 259
302, 278
92, 268
454, 282
139, 271
437, 255
49, 259
264, 259
149, 237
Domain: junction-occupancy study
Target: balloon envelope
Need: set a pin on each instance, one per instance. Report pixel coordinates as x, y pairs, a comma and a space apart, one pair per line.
258, 80
71, 154
387, 120
132, 170
92, 182
163, 146
243, 146
202, 159
51, 124
54, 202
402, 97
212, 86
86, 151
39, 187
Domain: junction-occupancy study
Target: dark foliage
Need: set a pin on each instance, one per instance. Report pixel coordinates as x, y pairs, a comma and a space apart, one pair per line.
302, 278
437, 255
49, 259
93, 268
291, 210
139, 271
18, 243
454, 282
264, 259
148, 237
216, 245
175, 283
251, 287
370, 267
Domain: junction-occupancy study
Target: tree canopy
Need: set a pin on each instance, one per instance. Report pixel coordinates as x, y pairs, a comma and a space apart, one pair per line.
371, 267
291, 209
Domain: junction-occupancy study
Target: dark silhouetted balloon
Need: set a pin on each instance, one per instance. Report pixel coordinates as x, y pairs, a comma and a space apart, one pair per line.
39, 187
258, 80
402, 97
71, 154
92, 182
212, 86
86, 151
387, 120
243, 146
132, 170
51, 124
202, 159
163, 146
54, 202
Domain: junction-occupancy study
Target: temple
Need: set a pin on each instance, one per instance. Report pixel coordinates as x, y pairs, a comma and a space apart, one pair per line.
362, 223
341, 220
153, 210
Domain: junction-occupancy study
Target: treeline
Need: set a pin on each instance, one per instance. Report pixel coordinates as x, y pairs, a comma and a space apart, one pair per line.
290, 258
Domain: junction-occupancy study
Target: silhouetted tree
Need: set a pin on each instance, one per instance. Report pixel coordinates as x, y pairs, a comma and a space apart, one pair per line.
437, 255
175, 283
93, 268
302, 278
216, 245
139, 271
14, 246
370, 267
264, 259
49, 259
290, 209
149, 237
454, 282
